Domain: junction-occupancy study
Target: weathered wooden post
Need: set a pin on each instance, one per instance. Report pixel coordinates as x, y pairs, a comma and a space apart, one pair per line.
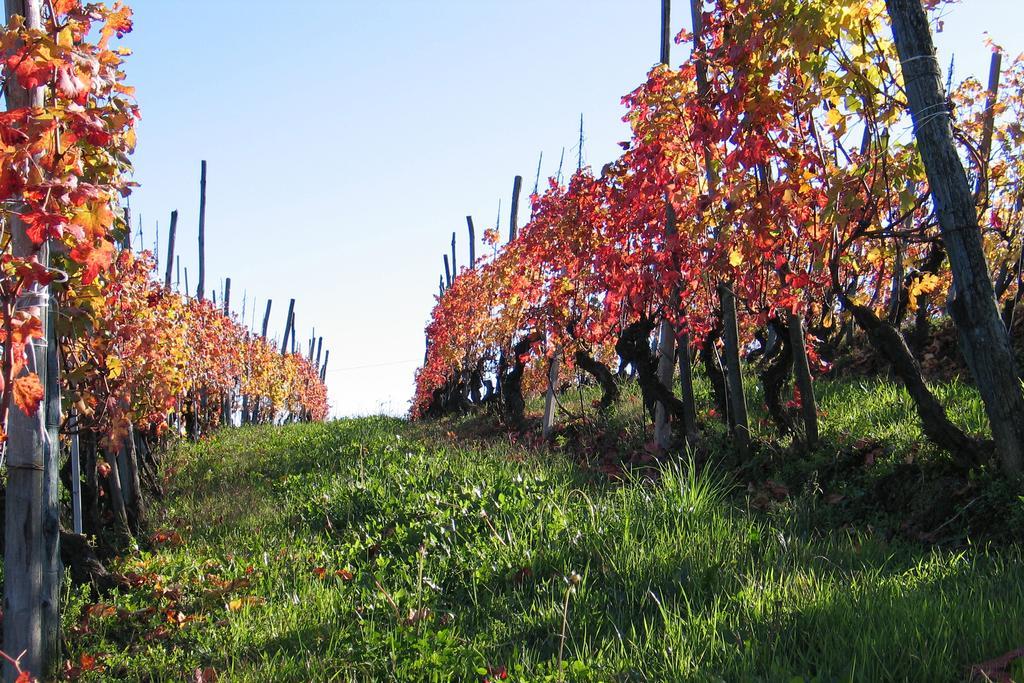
513, 225
25, 555
170, 249
455, 268
53, 568
319, 348
227, 297
983, 338
76, 478
667, 333
802, 370
472, 242
266, 318
323, 368
288, 326
737, 401
447, 273
995, 65
202, 231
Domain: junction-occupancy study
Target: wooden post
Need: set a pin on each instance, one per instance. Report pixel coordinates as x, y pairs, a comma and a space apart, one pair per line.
170, 249
186, 281
550, 404
53, 568
972, 305
287, 326
981, 184
737, 400
802, 370
319, 348
292, 332
536, 180
667, 331
24, 548
513, 224
266, 318
447, 272
666, 31
117, 502
202, 231
472, 242
323, 368
76, 479
455, 267
177, 265
440, 286
227, 297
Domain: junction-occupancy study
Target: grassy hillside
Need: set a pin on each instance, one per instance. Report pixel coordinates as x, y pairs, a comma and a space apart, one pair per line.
372, 550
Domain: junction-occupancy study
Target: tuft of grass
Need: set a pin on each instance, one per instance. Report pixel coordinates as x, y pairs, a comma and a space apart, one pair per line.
374, 549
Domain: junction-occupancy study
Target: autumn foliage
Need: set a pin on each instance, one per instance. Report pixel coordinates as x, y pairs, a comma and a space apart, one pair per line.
132, 352
793, 177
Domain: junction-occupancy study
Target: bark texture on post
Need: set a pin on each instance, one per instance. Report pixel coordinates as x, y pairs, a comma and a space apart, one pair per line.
170, 249
266, 318
737, 399
472, 242
288, 326
202, 231
808, 405
667, 331
455, 267
26, 599
513, 224
983, 338
53, 569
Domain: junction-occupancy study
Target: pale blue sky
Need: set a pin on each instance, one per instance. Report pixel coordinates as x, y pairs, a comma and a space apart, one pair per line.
346, 141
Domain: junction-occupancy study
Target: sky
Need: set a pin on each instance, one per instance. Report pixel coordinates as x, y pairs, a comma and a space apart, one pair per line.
347, 139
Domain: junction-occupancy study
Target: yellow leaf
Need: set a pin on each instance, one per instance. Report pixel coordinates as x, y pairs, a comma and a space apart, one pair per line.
65, 38
239, 603
735, 258
833, 117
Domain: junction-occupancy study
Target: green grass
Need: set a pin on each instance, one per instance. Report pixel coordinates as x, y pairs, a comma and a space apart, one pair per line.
464, 557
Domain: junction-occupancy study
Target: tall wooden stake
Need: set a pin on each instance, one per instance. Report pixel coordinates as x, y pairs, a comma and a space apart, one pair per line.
802, 370
170, 249
288, 326
455, 268
995, 65
513, 225
266, 318
24, 547
53, 568
202, 232
983, 338
227, 297
472, 242
734, 378
447, 272
667, 331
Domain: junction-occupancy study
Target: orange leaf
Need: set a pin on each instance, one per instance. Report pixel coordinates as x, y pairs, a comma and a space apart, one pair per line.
28, 393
